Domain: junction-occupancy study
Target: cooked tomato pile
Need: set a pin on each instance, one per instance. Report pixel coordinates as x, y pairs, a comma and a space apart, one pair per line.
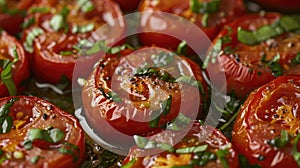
150, 94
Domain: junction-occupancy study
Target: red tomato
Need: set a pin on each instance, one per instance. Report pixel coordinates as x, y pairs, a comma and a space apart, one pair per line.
198, 136
53, 50
287, 6
267, 112
227, 11
249, 66
12, 14
24, 143
128, 5
20, 69
128, 92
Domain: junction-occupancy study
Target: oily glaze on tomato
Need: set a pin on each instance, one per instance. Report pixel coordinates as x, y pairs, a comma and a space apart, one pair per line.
12, 13
165, 25
128, 5
20, 69
249, 66
128, 92
54, 50
197, 136
286, 6
31, 113
267, 112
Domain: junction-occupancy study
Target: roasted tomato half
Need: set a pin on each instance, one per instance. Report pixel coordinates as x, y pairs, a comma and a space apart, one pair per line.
268, 124
253, 50
203, 146
208, 15
35, 133
12, 14
128, 5
286, 6
58, 30
13, 65
136, 92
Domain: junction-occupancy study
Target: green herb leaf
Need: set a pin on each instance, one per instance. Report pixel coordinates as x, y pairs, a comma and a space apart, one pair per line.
205, 7
129, 164
28, 44
162, 59
193, 149
28, 23
182, 48
6, 74
83, 29
58, 21
204, 20
70, 149
39, 10
166, 105
66, 53
140, 141
244, 162
180, 122
56, 135
3, 6
246, 37
221, 154
191, 81
34, 159
281, 141
296, 60
213, 54
5, 120
85, 5
52, 136
295, 152
114, 96
155, 117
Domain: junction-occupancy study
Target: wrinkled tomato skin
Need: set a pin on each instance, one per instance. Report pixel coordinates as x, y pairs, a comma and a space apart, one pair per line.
33, 111
107, 116
47, 62
243, 66
262, 117
153, 33
20, 70
285, 6
196, 135
128, 5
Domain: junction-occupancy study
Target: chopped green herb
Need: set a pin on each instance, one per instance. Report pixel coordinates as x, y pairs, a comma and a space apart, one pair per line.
140, 141
193, 149
3, 6
182, 48
28, 44
114, 96
70, 149
205, 7
82, 29
39, 10
53, 136
28, 23
58, 21
244, 162
295, 152
6, 74
66, 53
34, 159
213, 54
273, 64
3, 159
162, 59
204, 20
281, 141
191, 81
221, 154
296, 60
129, 164
155, 117
5, 120
166, 105
85, 5
179, 123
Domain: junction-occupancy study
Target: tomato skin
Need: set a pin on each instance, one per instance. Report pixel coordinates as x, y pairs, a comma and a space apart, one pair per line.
164, 26
47, 58
20, 70
243, 65
286, 6
103, 113
128, 5
262, 118
12, 22
196, 136
29, 112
